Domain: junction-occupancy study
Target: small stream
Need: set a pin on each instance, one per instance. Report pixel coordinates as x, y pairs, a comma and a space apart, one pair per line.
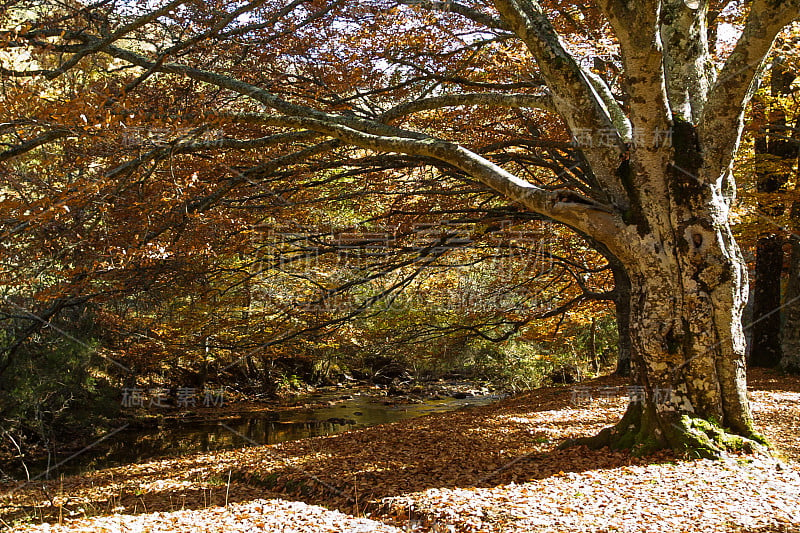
281, 424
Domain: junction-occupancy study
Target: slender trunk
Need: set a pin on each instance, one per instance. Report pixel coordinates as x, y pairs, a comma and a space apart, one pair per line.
766, 344
593, 346
774, 156
790, 331
790, 337
622, 302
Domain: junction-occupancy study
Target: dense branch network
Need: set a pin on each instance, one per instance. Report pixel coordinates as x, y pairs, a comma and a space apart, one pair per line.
493, 102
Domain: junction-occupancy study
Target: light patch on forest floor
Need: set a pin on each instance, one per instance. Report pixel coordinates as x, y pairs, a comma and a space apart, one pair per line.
492, 468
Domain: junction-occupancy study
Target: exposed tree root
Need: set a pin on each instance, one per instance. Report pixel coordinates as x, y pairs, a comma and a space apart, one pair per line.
644, 431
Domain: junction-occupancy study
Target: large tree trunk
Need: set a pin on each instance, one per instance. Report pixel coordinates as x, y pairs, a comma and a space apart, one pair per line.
688, 289
688, 351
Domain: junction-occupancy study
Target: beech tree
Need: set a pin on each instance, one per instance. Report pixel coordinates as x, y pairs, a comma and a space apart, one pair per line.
775, 154
772, 125
654, 117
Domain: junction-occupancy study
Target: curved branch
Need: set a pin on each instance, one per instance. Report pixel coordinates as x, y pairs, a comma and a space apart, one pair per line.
448, 6
258, 94
573, 94
519, 100
568, 207
564, 206
119, 34
27, 146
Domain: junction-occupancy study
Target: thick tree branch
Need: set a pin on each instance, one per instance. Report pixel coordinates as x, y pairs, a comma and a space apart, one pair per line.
260, 95
574, 96
684, 34
611, 106
565, 206
29, 145
119, 34
543, 102
449, 6
572, 209
636, 25
562, 205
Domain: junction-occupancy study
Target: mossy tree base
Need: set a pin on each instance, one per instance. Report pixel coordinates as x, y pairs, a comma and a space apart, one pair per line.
644, 431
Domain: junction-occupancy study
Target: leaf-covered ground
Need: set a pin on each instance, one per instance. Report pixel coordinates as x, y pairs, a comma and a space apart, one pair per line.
490, 469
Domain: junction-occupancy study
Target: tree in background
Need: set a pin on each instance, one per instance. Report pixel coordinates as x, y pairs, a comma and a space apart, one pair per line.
768, 211
790, 332
775, 154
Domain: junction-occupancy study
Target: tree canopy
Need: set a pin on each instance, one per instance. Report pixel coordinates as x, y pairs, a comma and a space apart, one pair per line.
164, 151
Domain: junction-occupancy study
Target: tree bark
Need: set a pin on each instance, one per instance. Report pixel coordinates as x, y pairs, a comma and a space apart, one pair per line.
688, 289
773, 152
790, 330
622, 302
688, 353
766, 343
790, 337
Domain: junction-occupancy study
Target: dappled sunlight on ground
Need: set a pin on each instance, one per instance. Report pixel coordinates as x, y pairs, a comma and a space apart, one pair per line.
492, 468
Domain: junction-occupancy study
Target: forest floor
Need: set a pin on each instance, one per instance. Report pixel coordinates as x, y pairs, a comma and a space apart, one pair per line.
493, 468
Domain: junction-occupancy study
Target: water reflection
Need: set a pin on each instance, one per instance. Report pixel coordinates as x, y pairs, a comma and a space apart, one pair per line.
142, 445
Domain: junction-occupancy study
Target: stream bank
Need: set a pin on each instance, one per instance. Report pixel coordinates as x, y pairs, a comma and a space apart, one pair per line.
156, 433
